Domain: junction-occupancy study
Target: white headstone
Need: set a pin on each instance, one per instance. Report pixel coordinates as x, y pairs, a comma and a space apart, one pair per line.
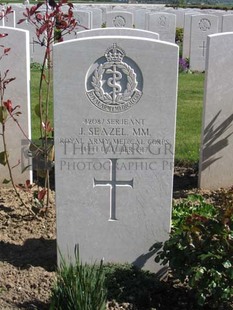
84, 22
104, 11
18, 91
9, 20
114, 146
1, 15
96, 17
140, 18
201, 27
37, 49
84, 19
119, 19
219, 14
147, 19
164, 24
187, 34
216, 160
227, 23
118, 8
179, 12
118, 32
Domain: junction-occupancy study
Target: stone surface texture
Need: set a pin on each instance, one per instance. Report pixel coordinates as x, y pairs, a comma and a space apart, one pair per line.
114, 161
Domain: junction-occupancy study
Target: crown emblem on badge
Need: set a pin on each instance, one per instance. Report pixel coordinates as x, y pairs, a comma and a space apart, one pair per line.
114, 53
114, 85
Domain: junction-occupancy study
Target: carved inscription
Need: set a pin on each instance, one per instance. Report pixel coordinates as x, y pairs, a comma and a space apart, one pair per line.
116, 137
101, 142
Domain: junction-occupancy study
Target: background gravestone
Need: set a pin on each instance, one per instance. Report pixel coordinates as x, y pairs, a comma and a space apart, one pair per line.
227, 23
119, 19
179, 12
164, 24
117, 31
37, 50
219, 14
201, 27
84, 19
187, 33
140, 18
9, 20
215, 169
18, 91
114, 145
84, 22
96, 17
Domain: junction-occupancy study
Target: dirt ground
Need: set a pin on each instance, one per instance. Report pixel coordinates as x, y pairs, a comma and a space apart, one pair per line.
28, 248
27, 254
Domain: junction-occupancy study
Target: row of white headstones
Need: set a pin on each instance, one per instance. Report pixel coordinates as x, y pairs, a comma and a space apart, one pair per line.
158, 19
115, 97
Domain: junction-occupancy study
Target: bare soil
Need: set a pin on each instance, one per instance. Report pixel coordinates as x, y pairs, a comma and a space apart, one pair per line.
27, 253
28, 250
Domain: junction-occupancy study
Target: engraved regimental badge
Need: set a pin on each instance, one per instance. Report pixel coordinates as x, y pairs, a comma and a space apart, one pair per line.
114, 82
119, 21
162, 21
204, 24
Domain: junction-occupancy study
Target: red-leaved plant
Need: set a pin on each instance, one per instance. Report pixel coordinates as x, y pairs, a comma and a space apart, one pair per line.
8, 111
51, 23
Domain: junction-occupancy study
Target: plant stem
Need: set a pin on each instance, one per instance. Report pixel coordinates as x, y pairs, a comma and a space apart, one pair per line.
3, 134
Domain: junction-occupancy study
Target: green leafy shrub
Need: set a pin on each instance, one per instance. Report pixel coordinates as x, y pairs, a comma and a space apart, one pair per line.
179, 40
36, 66
79, 287
200, 249
179, 35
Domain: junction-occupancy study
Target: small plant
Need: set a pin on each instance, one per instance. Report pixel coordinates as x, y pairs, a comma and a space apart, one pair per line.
36, 65
183, 65
8, 112
179, 35
79, 286
51, 24
200, 249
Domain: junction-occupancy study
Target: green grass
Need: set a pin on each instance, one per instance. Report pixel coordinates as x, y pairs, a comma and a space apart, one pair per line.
189, 117
189, 114
35, 80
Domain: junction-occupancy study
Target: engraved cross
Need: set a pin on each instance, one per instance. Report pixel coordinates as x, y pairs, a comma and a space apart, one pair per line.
33, 45
113, 183
203, 46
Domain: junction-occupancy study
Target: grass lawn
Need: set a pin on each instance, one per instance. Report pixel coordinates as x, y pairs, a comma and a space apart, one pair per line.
189, 114
189, 117
35, 80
